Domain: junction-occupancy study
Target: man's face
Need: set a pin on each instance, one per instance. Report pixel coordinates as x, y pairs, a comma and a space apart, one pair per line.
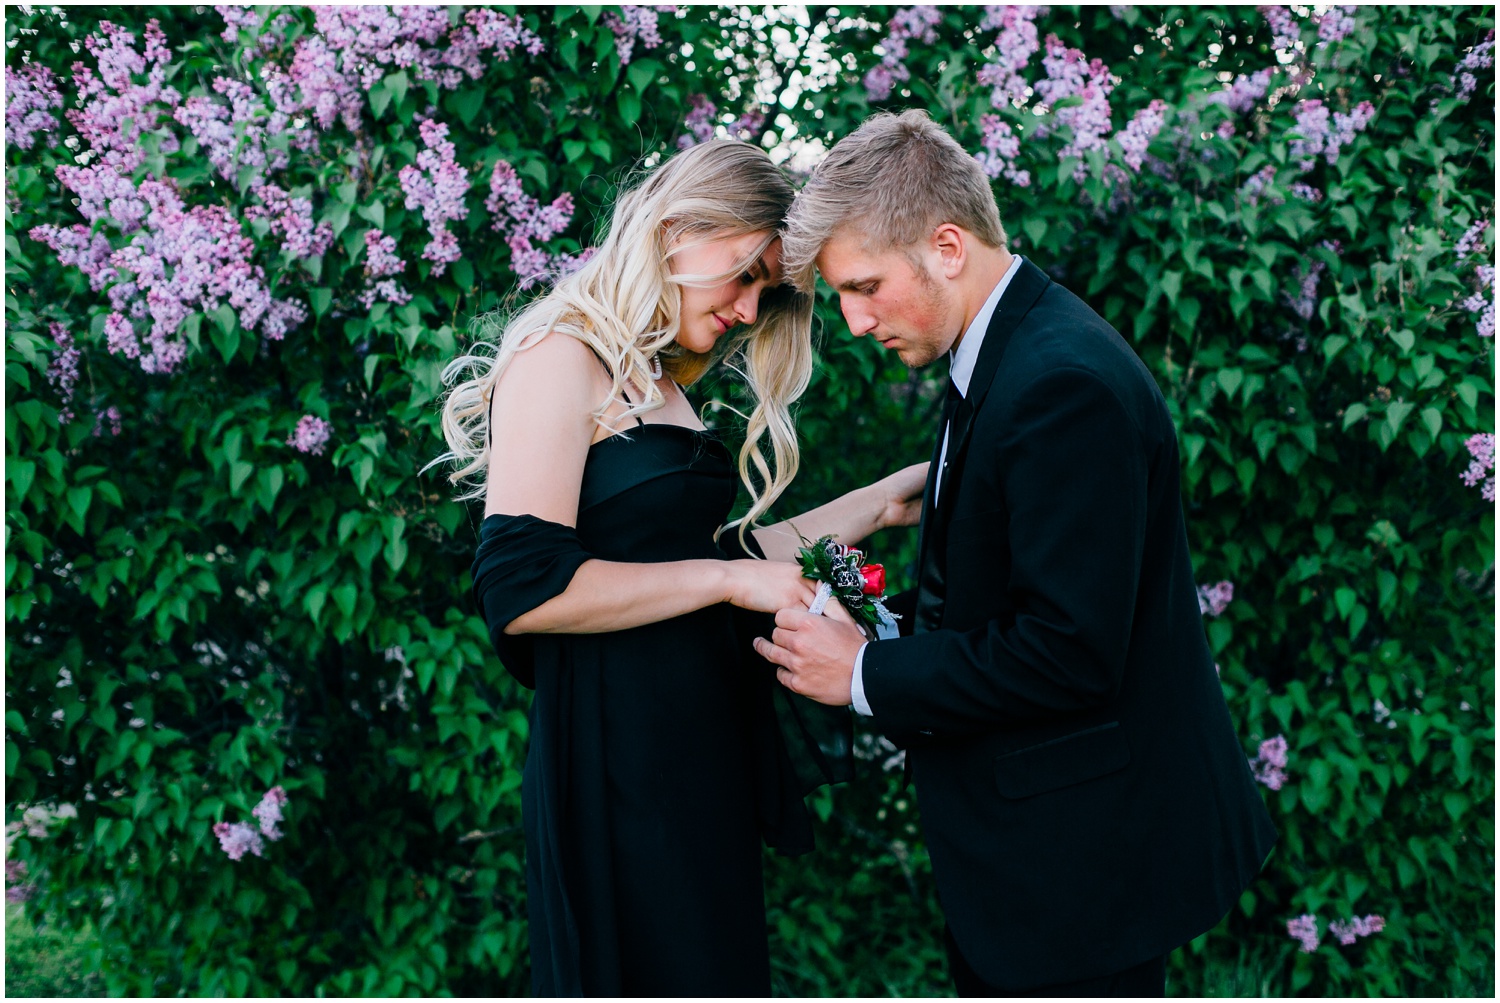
881, 294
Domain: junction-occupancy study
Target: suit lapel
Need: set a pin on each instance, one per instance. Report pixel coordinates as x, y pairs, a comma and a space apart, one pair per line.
1025, 289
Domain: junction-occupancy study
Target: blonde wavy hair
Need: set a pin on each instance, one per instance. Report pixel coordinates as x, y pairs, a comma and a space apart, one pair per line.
625, 304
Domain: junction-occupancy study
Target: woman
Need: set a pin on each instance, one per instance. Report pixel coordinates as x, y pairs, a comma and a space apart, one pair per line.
653, 770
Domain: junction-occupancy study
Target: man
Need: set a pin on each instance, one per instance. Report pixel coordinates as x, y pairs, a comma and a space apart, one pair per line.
1083, 794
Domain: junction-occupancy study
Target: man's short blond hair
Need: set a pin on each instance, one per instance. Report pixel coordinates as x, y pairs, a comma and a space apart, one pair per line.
892, 181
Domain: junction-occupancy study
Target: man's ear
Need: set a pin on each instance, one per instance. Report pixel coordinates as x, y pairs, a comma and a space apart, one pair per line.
951, 245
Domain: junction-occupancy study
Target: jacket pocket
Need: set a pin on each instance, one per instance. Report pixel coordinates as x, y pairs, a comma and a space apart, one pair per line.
1062, 762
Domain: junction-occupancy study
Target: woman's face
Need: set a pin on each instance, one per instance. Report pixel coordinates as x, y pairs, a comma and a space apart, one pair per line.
709, 314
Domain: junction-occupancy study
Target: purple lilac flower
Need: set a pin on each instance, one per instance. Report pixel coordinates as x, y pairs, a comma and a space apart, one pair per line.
699, 122
1242, 95
1481, 57
1348, 931
1140, 131
16, 889
268, 812
1304, 930
292, 220
1286, 30
184, 260
381, 262
1269, 764
1306, 192
747, 127
1319, 131
636, 23
1483, 301
113, 110
63, 372
104, 194
311, 436
525, 222
234, 135
436, 184
1335, 24
109, 420
31, 92
82, 248
1014, 47
918, 23
1481, 468
1309, 274
1001, 148
352, 48
1070, 75
1471, 240
237, 16
237, 838
1213, 600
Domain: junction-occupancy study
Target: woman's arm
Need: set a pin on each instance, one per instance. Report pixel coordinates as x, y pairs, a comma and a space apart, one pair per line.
891, 501
541, 427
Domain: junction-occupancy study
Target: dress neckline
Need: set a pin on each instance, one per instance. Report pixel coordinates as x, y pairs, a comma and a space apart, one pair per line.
707, 432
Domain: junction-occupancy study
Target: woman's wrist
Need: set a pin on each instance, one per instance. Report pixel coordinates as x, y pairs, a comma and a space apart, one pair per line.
879, 504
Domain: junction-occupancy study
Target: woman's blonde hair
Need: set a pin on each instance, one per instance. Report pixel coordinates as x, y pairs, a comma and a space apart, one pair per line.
624, 304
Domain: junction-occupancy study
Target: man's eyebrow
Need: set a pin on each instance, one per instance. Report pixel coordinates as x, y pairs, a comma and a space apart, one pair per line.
851, 285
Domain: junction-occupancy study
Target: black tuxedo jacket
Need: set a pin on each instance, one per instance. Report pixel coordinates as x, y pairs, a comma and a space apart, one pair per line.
1083, 794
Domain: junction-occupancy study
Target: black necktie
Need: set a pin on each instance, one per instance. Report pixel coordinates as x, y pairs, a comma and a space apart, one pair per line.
950, 408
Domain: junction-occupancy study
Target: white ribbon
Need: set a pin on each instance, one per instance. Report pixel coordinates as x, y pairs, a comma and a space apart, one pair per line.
825, 592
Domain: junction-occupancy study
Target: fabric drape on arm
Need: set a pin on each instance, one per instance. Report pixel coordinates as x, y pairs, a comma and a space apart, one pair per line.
521, 563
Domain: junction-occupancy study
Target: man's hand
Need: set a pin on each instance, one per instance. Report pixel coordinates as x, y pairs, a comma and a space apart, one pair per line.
815, 655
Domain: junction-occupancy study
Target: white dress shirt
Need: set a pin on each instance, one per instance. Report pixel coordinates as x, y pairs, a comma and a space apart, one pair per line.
960, 371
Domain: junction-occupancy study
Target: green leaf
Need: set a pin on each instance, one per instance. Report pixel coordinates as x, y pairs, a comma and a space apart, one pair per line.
629, 105
380, 98
641, 73
21, 473
463, 274
344, 596
79, 499
468, 103
1171, 284
1230, 380
374, 212
573, 149
398, 83
320, 299
239, 472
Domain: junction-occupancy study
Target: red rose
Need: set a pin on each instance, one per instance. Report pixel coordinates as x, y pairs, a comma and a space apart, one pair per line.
874, 576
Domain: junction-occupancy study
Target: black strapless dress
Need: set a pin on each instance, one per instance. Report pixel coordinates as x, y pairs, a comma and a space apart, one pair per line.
655, 765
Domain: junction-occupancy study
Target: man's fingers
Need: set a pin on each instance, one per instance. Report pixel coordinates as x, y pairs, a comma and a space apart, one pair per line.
770, 652
785, 677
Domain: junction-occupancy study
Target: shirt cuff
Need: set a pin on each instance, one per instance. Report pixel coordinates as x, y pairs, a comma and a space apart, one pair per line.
857, 684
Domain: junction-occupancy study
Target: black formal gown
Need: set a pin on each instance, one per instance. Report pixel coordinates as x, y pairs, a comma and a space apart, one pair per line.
655, 765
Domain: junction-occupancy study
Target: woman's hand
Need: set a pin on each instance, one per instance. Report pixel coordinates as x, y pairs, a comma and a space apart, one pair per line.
901, 493
768, 586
